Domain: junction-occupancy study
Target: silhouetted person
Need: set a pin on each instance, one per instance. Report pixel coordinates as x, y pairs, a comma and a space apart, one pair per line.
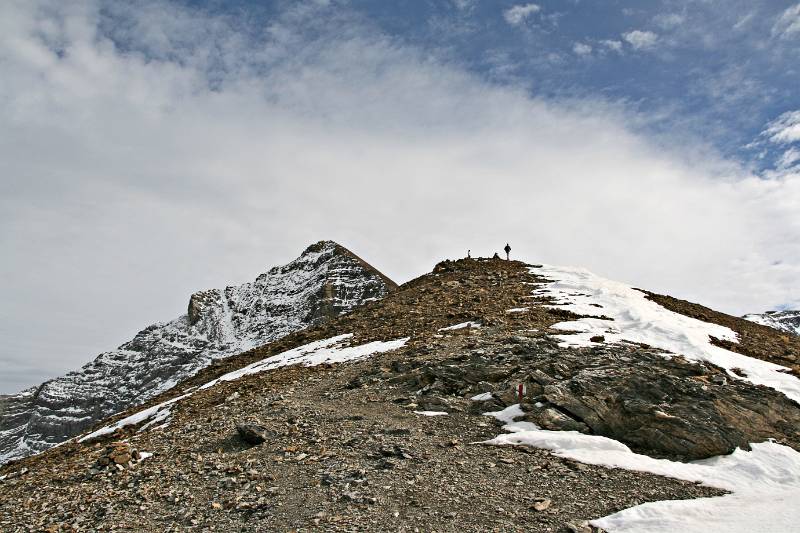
468, 256
495, 256
508, 251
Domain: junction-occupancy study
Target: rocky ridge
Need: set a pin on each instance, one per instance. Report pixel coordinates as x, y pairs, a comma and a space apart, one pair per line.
788, 321
351, 446
326, 281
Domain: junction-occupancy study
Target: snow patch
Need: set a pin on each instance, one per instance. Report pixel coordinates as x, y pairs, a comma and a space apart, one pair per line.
517, 310
461, 326
431, 413
156, 412
764, 484
632, 317
482, 397
507, 416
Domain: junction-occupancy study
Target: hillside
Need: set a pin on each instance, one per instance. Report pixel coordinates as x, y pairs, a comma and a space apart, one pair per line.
326, 281
600, 394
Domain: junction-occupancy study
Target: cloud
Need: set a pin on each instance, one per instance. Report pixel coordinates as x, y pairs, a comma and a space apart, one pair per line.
789, 159
640, 40
464, 5
613, 45
518, 14
785, 129
788, 24
582, 49
669, 20
151, 152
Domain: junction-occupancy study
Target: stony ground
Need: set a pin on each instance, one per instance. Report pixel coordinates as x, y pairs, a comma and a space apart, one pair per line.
344, 449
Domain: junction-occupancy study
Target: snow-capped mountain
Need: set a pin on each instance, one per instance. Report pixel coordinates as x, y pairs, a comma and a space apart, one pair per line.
788, 321
325, 281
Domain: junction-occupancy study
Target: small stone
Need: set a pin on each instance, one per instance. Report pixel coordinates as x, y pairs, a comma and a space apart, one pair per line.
121, 458
253, 433
216, 506
541, 504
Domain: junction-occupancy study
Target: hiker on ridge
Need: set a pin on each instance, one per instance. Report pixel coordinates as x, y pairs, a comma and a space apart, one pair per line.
508, 251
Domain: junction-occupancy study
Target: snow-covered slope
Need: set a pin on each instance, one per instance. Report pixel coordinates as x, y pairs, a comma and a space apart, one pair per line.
788, 321
625, 314
325, 281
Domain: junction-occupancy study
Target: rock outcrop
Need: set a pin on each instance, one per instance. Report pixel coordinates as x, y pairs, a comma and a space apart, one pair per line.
326, 281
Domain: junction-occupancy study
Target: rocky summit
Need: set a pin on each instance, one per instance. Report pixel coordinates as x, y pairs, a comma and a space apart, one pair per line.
326, 281
487, 395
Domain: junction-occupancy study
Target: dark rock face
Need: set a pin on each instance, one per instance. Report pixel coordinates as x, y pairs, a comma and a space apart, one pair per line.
671, 406
324, 282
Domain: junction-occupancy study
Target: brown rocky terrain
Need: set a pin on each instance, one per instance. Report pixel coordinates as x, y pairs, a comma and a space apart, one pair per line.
344, 448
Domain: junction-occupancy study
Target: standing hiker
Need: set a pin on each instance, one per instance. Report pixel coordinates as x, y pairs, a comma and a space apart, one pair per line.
508, 251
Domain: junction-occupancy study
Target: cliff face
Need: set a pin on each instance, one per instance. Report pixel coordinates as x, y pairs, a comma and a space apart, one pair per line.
324, 282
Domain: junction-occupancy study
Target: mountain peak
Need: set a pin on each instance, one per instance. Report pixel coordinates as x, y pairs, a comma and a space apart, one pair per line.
325, 281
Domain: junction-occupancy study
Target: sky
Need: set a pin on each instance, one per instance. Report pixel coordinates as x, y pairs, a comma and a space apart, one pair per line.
154, 148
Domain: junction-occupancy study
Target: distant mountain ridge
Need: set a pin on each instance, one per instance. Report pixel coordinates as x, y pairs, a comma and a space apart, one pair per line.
788, 321
326, 281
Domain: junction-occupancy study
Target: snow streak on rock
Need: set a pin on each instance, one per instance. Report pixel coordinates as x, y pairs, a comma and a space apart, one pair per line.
325, 281
623, 313
331, 350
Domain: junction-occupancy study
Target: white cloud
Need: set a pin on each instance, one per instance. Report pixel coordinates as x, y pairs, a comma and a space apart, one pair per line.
785, 129
669, 20
464, 5
788, 24
132, 178
614, 45
582, 49
518, 14
744, 20
640, 40
789, 158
